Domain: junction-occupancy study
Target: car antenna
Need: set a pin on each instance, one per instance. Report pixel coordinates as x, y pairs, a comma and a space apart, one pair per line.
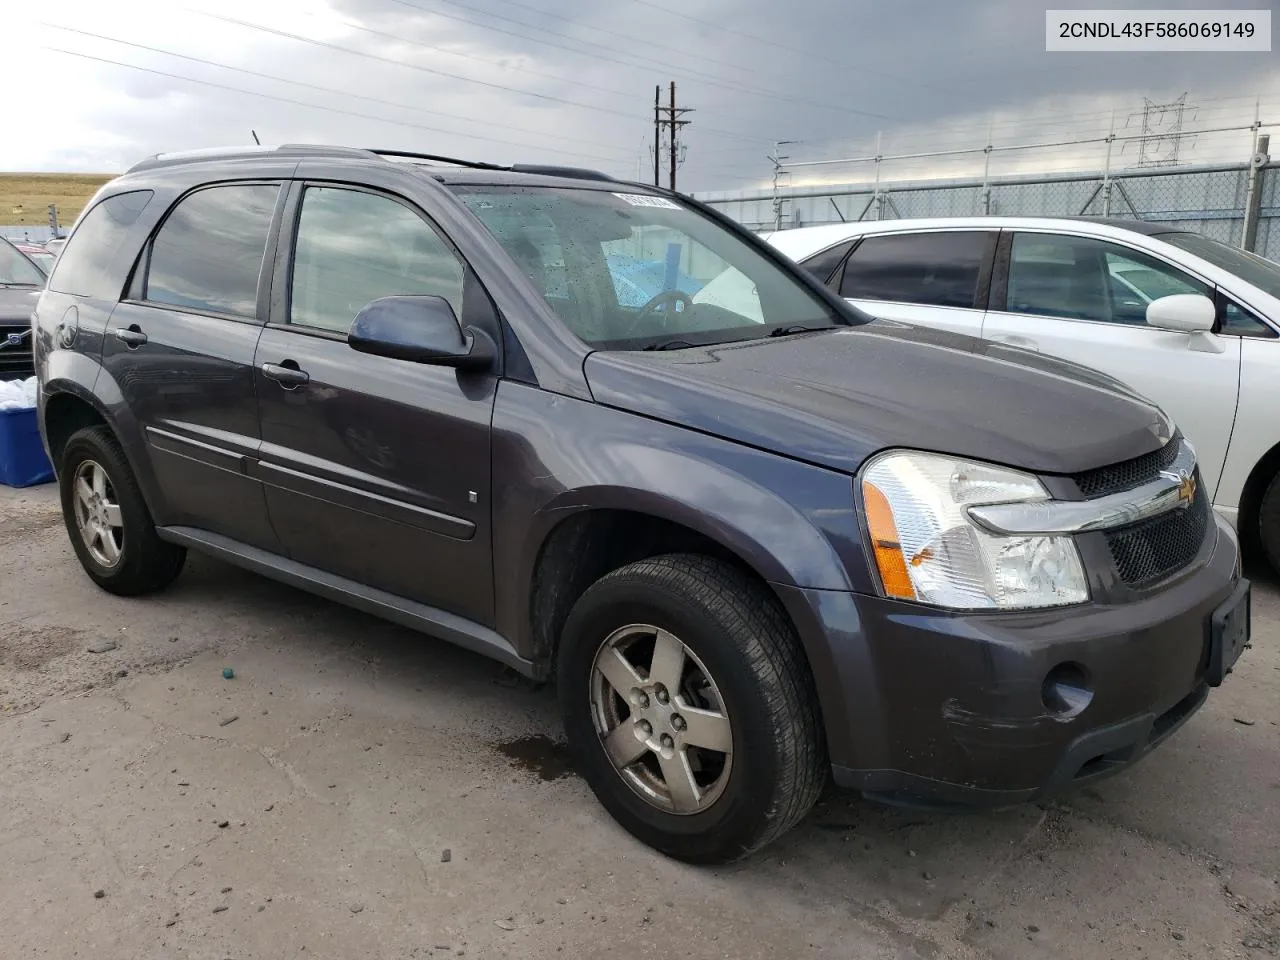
255, 137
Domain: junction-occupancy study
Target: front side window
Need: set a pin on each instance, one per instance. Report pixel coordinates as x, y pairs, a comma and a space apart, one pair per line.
355, 247
208, 254
1080, 278
1249, 267
632, 271
937, 269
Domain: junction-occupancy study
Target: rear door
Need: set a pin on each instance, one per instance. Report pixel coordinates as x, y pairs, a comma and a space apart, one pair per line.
181, 345
1085, 299
376, 470
934, 278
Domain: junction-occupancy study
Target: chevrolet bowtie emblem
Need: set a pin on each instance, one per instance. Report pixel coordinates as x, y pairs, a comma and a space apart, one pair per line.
1186, 489
1186, 481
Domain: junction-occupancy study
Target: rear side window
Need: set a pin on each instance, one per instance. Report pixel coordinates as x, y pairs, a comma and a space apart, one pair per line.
86, 266
937, 269
823, 264
208, 254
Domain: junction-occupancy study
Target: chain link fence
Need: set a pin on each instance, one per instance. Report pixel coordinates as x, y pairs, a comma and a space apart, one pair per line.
1209, 200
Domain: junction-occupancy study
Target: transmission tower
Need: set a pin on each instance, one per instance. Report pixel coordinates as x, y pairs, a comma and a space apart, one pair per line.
1162, 134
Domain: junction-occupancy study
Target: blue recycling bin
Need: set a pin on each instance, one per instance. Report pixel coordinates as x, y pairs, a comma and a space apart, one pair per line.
22, 458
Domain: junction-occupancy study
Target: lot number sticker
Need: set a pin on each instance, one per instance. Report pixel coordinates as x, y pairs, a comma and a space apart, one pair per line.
640, 200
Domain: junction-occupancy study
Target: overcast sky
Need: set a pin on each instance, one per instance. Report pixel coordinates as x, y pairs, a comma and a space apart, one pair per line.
572, 81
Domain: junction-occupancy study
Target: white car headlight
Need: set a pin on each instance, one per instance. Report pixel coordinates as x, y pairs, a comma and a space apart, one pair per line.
927, 548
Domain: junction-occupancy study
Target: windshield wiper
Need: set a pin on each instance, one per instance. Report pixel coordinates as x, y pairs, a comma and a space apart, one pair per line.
670, 345
795, 328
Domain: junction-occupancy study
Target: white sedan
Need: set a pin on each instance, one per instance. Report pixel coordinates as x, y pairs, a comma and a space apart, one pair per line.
1191, 323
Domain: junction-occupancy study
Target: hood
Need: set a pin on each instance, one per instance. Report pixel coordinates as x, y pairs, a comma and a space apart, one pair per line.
834, 398
17, 304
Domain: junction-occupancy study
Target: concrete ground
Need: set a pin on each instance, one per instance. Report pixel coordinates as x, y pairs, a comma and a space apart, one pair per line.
359, 791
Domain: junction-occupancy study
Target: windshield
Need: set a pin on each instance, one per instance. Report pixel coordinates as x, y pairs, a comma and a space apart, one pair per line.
633, 271
1263, 274
15, 268
42, 259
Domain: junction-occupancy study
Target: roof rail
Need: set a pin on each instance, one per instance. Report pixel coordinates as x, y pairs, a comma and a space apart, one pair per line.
244, 153
474, 164
580, 173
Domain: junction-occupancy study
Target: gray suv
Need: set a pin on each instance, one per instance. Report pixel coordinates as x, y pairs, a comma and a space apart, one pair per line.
756, 538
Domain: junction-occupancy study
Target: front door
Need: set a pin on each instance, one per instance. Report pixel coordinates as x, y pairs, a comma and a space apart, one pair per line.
376, 470
1085, 299
181, 345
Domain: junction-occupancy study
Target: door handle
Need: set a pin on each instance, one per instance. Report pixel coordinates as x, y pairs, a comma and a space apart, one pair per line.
131, 336
286, 374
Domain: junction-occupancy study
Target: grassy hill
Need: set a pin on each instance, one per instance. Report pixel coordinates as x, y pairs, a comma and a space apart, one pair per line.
35, 191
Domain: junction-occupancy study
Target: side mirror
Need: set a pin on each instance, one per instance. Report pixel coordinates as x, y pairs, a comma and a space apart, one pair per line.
1183, 312
423, 329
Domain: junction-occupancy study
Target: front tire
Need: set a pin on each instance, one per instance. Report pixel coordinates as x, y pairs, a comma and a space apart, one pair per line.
109, 524
689, 705
1268, 528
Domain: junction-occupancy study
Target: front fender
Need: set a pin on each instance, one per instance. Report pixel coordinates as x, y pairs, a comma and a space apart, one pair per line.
555, 457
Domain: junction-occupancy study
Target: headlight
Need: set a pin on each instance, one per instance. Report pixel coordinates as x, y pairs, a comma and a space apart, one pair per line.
927, 549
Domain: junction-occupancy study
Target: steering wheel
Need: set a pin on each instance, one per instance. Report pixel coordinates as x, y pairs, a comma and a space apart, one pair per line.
671, 298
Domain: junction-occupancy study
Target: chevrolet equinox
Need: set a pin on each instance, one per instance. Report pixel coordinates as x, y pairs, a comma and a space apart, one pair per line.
757, 538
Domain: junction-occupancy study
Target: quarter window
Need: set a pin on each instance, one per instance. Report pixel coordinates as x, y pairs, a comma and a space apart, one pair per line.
355, 247
823, 264
937, 269
85, 266
208, 254
1080, 278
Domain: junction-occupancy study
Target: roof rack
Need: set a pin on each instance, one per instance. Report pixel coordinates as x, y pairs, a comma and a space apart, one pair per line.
580, 173
320, 150
413, 155
246, 153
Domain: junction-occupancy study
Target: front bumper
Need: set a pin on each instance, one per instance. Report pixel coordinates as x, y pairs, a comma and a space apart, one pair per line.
925, 706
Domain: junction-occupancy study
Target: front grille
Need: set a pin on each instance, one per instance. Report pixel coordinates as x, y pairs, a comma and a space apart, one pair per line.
1127, 475
1161, 545
15, 361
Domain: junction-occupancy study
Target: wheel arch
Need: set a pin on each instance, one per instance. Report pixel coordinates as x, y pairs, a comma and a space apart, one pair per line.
1255, 486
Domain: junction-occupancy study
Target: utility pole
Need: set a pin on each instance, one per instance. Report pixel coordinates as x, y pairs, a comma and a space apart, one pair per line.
657, 134
673, 122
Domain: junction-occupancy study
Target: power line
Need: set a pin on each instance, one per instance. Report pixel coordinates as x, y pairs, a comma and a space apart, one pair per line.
313, 106
312, 86
630, 38
684, 72
412, 66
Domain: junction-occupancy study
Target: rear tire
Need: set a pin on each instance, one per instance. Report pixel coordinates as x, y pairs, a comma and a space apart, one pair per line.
1269, 523
742, 683
109, 524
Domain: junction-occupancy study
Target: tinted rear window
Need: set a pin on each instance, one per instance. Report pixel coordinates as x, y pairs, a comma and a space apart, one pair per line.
88, 265
939, 269
208, 254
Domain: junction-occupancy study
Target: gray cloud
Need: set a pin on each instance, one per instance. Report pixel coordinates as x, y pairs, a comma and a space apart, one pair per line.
571, 81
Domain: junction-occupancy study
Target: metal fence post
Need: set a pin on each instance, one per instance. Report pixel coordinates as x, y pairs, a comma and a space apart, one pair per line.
986, 173
1106, 169
1253, 195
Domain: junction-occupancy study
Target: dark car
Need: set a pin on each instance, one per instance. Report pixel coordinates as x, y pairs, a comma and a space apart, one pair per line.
20, 284
755, 537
